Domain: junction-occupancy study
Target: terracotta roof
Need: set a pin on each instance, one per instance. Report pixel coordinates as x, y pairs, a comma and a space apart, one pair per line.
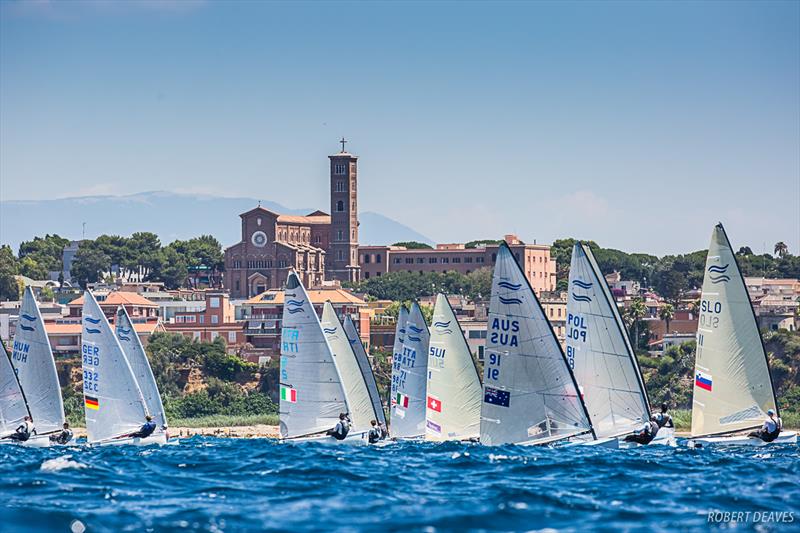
317, 296
76, 329
119, 298
310, 220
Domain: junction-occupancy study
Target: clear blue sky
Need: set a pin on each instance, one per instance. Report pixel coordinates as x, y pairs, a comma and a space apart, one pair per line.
638, 125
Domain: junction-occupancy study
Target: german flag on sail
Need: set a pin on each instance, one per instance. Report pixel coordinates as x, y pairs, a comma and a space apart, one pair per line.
91, 403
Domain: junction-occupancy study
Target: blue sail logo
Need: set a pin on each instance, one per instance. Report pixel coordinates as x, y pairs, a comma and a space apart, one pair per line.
415, 339
29, 318
510, 286
91, 320
329, 331
721, 274
27, 328
443, 327
509, 301
582, 284
414, 328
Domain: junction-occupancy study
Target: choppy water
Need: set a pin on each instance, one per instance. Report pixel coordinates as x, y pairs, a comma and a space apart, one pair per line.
233, 485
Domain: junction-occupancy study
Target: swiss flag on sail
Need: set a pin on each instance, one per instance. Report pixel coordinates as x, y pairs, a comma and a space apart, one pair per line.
434, 404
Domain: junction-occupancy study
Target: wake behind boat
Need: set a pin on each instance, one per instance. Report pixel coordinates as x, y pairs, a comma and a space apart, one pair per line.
733, 389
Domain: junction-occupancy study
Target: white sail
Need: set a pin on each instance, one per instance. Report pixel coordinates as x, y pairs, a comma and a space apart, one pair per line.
137, 358
355, 387
530, 396
454, 388
397, 353
411, 372
33, 360
113, 402
599, 352
732, 385
366, 369
311, 395
13, 408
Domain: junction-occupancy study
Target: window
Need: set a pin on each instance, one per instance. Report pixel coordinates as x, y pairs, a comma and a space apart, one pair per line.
196, 335
340, 255
366, 258
231, 337
215, 319
433, 260
378, 274
479, 259
340, 206
477, 334
214, 335
202, 319
340, 186
214, 302
480, 353
409, 260
238, 286
317, 239
340, 169
456, 260
397, 260
366, 275
468, 260
377, 258
494, 258
420, 260
339, 235
445, 259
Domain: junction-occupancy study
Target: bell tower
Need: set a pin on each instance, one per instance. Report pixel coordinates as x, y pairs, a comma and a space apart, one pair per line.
342, 256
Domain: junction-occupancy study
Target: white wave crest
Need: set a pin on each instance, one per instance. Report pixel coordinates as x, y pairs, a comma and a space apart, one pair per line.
64, 462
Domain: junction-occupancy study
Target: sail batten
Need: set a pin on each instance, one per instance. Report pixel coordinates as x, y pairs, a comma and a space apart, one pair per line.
409, 377
453, 408
732, 384
311, 392
530, 395
35, 366
600, 353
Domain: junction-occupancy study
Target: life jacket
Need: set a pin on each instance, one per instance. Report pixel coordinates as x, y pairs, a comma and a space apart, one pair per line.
374, 435
652, 428
341, 430
769, 436
664, 420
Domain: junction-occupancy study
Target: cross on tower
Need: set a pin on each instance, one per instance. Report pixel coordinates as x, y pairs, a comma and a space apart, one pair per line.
343, 141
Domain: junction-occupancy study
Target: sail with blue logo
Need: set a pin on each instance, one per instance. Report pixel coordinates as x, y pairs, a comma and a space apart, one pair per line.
344, 357
530, 395
599, 352
410, 376
113, 401
311, 391
13, 408
366, 369
33, 361
454, 393
732, 385
137, 358
397, 353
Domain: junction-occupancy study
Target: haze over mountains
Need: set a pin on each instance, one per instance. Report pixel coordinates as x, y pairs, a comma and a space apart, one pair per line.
169, 215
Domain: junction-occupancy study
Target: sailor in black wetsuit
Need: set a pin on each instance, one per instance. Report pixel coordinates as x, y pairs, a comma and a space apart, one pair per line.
663, 419
647, 433
342, 428
375, 433
64, 436
145, 431
770, 430
24, 431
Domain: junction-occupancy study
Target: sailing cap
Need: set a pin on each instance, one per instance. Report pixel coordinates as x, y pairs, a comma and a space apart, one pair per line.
770, 412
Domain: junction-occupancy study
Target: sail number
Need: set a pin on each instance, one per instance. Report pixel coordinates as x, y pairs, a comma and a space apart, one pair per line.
90, 381
493, 366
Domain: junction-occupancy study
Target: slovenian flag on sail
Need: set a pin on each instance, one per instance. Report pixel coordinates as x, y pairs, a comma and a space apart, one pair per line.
401, 400
703, 380
288, 395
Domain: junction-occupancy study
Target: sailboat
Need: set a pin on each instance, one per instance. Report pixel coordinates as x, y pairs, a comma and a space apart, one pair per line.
312, 394
13, 405
137, 358
366, 370
600, 354
32, 358
409, 377
732, 388
113, 401
453, 409
530, 395
397, 354
359, 399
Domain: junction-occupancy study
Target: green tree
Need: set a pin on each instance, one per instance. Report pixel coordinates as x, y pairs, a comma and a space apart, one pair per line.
414, 245
9, 289
475, 244
30, 268
667, 313
89, 264
633, 316
781, 249
671, 285
169, 267
201, 251
46, 252
47, 295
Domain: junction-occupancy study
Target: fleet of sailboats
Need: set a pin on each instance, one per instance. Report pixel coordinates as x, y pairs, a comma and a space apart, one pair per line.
533, 393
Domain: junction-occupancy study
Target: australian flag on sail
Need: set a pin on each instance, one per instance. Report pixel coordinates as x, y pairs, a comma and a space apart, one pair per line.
497, 397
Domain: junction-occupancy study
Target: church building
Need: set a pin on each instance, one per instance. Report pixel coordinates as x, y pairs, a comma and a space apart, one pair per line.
318, 246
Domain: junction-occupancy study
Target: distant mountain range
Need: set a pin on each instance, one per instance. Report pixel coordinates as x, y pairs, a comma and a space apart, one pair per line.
169, 215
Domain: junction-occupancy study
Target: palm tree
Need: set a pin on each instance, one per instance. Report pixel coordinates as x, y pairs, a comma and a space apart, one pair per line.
781, 249
666, 314
634, 313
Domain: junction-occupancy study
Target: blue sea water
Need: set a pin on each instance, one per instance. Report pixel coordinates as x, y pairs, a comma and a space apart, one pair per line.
212, 484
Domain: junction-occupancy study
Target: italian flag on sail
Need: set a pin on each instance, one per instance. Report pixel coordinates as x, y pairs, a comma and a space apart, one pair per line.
288, 395
401, 400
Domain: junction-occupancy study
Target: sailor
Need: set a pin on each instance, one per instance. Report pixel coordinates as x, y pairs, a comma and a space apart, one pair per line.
771, 429
145, 431
375, 433
24, 431
663, 419
342, 427
646, 434
62, 437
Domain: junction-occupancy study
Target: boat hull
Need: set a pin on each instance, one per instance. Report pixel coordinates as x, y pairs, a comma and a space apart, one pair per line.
786, 437
664, 437
352, 439
159, 439
37, 441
